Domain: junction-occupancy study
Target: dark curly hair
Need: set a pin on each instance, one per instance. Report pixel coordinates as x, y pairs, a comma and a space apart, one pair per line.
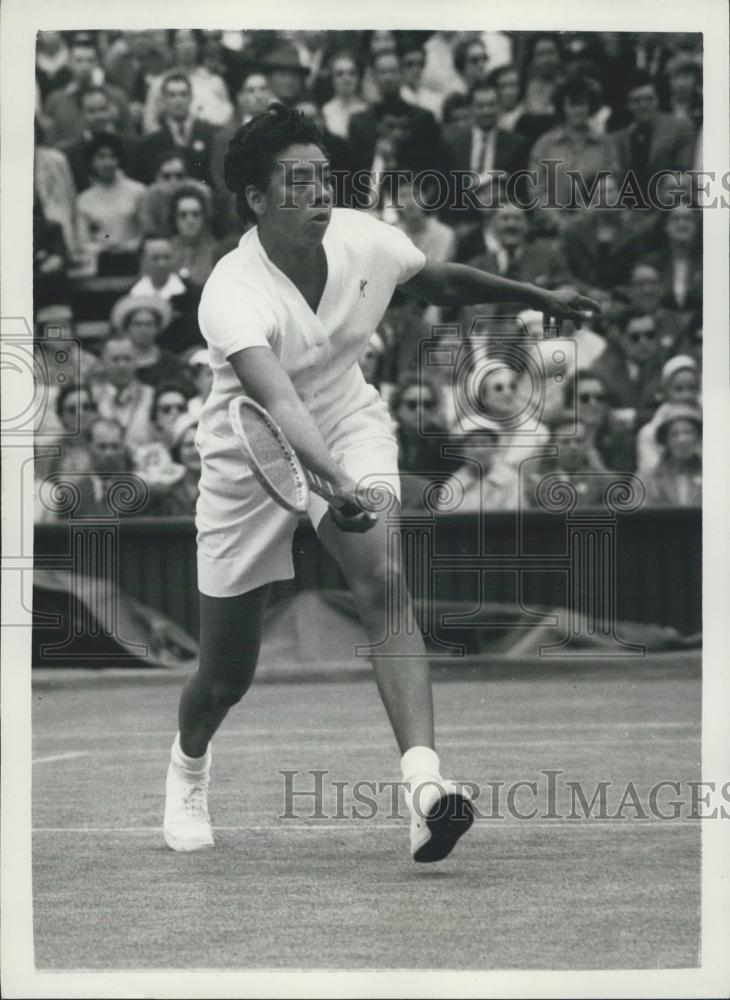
254, 148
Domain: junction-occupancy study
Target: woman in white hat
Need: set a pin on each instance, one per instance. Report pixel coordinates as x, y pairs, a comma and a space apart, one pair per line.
145, 318
680, 383
677, 479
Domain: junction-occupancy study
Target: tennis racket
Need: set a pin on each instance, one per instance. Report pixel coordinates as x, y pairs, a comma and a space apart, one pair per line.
275, 464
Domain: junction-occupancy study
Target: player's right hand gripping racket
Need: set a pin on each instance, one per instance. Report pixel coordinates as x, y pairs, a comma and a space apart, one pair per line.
275, 464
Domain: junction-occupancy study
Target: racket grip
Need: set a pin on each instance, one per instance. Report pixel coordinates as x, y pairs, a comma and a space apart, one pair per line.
349, 509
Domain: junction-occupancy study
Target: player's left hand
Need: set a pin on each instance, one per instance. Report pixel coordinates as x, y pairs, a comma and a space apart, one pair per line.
569, 304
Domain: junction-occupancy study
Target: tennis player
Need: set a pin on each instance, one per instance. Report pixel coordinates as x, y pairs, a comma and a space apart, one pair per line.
286, 316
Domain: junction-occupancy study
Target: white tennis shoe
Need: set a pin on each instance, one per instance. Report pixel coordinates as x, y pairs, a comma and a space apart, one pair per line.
441, 812
186, 826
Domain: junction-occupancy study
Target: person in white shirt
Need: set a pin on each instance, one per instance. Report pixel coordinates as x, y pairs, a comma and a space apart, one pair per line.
120, 395
347, 100
158, 276
286, 316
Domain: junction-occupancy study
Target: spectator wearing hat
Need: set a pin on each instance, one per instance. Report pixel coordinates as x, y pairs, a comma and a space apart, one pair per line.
680, 385
178, 131
210, 101
676, 481
109, 215
201, 375
170, 175
347, 100
144, 318
62, 114
120, 395
655, 140
573, 144
285, 72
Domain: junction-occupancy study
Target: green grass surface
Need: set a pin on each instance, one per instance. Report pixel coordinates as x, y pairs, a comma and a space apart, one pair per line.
344, 893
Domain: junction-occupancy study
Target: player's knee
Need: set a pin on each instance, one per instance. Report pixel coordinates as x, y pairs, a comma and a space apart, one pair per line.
229, 692
373, 586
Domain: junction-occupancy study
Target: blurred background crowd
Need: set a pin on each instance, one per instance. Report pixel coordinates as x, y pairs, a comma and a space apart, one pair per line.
131, 215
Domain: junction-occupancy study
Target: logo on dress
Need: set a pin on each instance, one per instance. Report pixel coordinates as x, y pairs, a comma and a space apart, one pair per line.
363, 283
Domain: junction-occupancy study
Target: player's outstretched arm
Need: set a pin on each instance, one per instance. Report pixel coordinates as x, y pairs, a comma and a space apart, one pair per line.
459, 284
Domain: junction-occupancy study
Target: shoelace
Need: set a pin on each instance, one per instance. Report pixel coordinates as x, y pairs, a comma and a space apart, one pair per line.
195, 802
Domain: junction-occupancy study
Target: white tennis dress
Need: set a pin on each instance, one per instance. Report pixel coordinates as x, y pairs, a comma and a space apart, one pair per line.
244, 537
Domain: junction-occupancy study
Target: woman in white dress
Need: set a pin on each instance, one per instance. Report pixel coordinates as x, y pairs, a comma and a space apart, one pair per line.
286, 316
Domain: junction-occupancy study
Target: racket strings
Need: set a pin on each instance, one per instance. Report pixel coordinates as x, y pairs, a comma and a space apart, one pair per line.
271, 457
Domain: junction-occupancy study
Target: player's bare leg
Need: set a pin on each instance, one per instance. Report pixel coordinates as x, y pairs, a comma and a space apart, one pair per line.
439, 813
230, 638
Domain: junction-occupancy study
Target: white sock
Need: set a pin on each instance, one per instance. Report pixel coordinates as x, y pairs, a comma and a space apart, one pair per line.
190, 767
419, 762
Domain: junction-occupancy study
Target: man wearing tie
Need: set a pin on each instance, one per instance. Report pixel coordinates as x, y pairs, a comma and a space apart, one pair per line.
483, 149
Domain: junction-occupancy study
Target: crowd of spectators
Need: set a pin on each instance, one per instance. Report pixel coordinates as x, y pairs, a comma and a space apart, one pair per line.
131, 215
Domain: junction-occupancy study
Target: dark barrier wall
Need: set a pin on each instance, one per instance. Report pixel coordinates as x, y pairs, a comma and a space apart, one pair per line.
653, 558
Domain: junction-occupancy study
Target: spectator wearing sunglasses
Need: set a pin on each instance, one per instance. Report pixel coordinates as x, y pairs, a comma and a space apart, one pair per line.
633, 364
471, 62
169, 403
347, 100
413, 62
610, 441
194, 249
170, 175
416, 407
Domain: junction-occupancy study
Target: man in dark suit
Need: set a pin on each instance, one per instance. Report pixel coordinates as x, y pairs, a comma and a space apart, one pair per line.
654, 140
191, 137
366, 126
481, 149
97, 116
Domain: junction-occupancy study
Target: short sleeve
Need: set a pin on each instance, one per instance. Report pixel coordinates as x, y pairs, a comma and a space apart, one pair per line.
401, 254
229, 320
